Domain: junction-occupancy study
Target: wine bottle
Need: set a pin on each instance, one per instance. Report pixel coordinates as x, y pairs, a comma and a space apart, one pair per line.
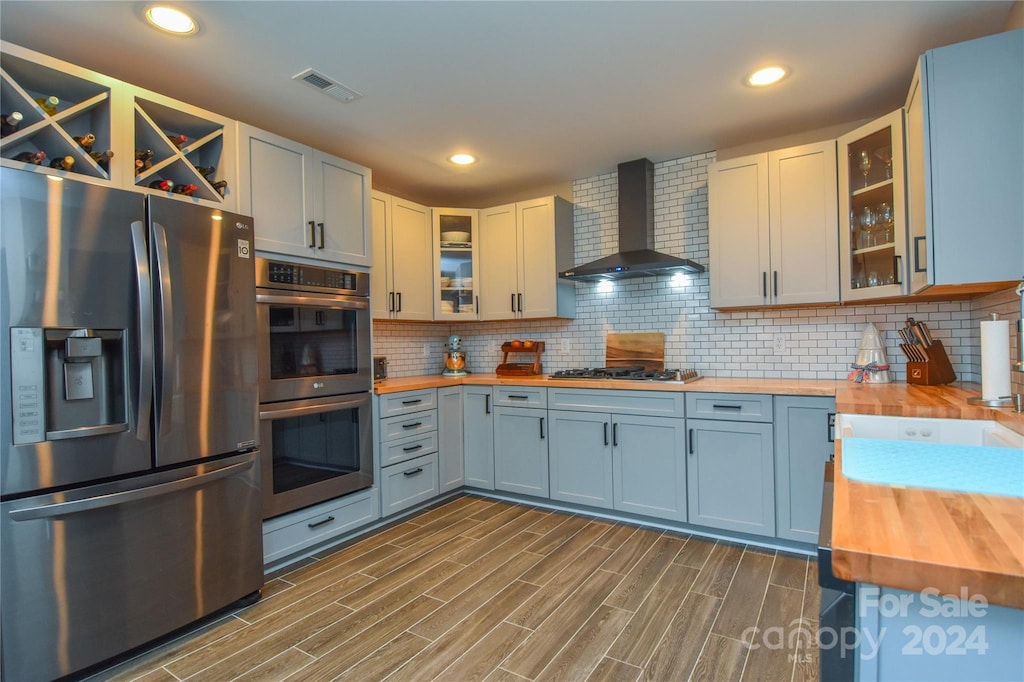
206, 171
86, 141
143, 159
63, 162
9, 123
48, 104
187, 190
220, 186
102, 159
177, 140
165, 185
31, 157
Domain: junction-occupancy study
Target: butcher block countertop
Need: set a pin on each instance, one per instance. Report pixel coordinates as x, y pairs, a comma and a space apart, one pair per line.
916, 538
909, 538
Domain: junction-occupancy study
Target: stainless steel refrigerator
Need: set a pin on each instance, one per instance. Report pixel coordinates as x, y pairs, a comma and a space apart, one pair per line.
129, 481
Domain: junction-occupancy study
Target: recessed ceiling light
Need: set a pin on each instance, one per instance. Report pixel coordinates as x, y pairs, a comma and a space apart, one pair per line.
171, 20
767, 76
462, 159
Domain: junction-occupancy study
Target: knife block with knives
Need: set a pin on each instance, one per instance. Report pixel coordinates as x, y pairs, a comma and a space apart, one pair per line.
927, 362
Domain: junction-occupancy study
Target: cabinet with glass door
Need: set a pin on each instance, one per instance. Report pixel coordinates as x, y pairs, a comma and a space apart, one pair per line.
455, 264
872, 210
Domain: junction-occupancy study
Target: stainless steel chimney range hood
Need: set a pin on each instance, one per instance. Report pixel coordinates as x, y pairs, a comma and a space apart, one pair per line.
636, 256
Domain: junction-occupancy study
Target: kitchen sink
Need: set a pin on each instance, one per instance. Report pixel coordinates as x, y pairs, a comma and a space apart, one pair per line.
978, 432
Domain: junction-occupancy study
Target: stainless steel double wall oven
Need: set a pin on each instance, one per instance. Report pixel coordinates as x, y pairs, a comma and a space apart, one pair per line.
315, 381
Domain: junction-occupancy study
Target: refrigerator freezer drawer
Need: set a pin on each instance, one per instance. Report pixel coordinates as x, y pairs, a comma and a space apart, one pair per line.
91, 573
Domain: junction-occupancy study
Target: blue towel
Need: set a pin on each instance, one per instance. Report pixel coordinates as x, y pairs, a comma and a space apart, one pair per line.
962, 468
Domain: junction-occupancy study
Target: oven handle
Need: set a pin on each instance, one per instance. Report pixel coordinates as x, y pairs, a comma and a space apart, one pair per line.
279, 412
331, 302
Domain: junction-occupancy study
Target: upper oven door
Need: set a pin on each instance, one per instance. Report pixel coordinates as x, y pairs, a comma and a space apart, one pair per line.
312, 346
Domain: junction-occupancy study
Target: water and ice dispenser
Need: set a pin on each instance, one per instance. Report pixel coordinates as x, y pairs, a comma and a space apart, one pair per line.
68, 383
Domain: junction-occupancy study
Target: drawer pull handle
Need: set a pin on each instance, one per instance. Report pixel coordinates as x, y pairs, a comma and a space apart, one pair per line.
414, 448
320, 523
412, 402
727, 407
413, 472
519, 397
412, 426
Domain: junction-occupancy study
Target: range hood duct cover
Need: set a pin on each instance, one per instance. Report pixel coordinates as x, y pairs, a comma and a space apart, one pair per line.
636, 256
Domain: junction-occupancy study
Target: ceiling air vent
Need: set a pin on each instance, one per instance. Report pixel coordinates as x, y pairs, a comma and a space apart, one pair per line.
327, 85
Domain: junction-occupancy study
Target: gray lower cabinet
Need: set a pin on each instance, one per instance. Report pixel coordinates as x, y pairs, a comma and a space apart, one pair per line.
478, 436
287, 535
581, 458
803, 444
649, 466
521, 450
408, 484
450, 464
407, 438
731, 475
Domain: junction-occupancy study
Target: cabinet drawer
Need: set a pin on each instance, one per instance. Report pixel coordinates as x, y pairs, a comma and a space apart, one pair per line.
407, 401
407, 448
408, 484
520, 396
739, 407
639, 403
288, 534
393, 428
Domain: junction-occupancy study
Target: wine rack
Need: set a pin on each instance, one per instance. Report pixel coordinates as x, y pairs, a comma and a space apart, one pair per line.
86, 106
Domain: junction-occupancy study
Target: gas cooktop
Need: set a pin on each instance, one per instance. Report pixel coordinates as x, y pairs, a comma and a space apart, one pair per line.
628, 373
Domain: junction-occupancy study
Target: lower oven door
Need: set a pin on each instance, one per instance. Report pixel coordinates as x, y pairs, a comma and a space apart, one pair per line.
315, 450
312, 345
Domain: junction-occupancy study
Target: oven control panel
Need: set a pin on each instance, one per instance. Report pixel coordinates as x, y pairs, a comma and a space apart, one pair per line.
296, 277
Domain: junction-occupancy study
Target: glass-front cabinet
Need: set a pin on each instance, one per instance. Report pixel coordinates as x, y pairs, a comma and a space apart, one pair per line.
456, 284
872, 210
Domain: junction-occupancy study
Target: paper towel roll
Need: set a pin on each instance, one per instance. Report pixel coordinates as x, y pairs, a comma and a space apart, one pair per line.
995, 359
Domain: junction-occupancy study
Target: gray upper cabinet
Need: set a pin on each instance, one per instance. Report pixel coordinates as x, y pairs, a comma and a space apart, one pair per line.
803, 444
478, 436
521, 450
451, 467
965, 163
731, 475
581, 458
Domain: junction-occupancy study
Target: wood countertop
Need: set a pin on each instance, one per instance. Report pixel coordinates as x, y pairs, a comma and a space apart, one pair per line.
916, 538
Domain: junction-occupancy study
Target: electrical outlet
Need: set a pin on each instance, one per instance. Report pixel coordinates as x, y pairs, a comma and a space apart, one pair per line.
426, 350
779, 341
492, 347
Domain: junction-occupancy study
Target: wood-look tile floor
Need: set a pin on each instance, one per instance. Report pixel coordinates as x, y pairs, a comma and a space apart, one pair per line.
481, 589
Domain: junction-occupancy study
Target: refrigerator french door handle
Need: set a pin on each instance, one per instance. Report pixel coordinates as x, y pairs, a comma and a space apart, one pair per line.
144, 288
163, 284
100, 501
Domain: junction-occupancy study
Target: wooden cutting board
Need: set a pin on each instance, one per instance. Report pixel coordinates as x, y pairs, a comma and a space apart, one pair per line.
645, 348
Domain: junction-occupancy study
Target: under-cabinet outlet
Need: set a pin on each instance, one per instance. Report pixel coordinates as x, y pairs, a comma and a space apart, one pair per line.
426, 350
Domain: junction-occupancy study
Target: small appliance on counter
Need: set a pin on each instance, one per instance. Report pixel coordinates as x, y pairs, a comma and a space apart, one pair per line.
520, 369
454, 358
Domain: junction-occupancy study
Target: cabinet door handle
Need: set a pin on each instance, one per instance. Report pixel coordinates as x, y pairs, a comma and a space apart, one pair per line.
897, 275
615, 435
413, 472
775, 283
477, 305
542, 428
412, 425
391, 302
312, 234
417, 401
689, 441
320, 317
513, 302
413, 448
918, 241
520, 302
487, 404
320, 523
321, 226
830, 422
764, 284
399, 299
606, 433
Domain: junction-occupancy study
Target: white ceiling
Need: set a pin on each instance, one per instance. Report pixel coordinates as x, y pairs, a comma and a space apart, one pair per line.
542, 92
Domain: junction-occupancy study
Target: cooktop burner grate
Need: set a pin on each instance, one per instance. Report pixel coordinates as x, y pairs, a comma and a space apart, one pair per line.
636, 373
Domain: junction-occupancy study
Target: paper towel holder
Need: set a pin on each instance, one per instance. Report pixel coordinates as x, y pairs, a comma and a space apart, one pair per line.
1001, 401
